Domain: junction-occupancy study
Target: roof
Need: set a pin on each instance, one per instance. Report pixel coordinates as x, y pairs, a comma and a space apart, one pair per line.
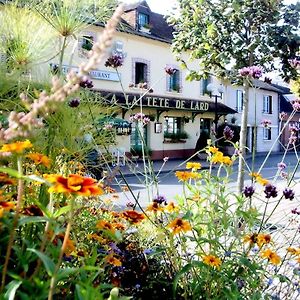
266, 86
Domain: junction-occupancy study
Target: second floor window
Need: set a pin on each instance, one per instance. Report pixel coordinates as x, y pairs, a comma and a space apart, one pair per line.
203, 86
140, 72
143, 19
174, 82
267, 134
267, 104
239, 100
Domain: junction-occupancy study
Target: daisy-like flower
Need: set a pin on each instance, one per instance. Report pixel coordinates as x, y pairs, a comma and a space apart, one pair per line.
155, 207
104, 225
272, 256
183, 176
17, 147
263, 239
133, 216
193, 165
74, 184
7, 205
179, 225
227, 160
212, 260
39, 158
70, 247
171, 207
112, 260
217, 158
250, 238
213, 150
5, 180
293, 251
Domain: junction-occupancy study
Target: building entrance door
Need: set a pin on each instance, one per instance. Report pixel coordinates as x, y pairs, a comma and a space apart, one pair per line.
204, 134
137, 137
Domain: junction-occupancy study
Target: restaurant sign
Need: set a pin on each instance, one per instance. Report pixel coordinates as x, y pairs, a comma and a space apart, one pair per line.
159, 102
96, 74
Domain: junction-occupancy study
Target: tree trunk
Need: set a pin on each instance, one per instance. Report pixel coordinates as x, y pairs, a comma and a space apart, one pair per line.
243, 138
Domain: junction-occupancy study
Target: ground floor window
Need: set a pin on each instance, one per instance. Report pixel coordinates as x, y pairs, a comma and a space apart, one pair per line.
172, 125
267, 134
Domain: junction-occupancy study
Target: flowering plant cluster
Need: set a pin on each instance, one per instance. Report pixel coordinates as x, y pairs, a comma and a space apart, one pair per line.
253, 71
140, 117
266, 123
115, 61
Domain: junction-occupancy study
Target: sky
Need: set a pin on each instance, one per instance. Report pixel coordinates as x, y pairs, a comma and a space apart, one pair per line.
162, 6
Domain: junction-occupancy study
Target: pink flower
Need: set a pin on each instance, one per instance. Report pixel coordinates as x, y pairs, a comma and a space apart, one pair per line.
282, 115
253, 71
139, 117
169, 70
295, 63
266, 123
296, 105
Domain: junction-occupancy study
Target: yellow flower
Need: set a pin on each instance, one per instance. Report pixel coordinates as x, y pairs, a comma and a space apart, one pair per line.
104, 225
1, 212
155, 207
217, 158
178, 225
183, 176
227, 161
193, 165
113, 260
39, 158
263, 239
272, 256
250, 238
293, 251
213, 150
16, 147
171, 207
262, 181
212, 260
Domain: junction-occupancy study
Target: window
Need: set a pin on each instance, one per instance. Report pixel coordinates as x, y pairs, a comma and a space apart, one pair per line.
140, 72
239, 100
267, 133
174, 81
143, 19
267, 104
87, 42
172, 125
203, 86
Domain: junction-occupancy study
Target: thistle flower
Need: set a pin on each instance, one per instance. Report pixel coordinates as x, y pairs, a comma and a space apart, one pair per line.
169, 70
248, 191
296, 105
85, 82
160, 199
114, 61
266, 123
270, 191
74, 102
288, 193
282, 115
228, 133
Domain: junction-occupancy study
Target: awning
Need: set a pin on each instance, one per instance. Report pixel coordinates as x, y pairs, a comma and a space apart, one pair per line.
132, 100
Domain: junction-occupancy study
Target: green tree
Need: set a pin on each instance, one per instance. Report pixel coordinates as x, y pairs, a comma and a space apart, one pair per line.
225, 36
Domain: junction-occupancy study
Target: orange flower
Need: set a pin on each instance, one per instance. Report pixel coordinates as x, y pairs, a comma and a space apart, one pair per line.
125, 188
155, 207
4, 179
133, 216
97, 238
7, 205
183, 176
178, 225
193, 165
83, 186
263, 239
262, 181
109, 190
293, 251
39, 158
272, 256
113, 260
251, 238
212, 260
104, 225
217, 158
171, 207
16, 147
118, 226
70, 247
227, 161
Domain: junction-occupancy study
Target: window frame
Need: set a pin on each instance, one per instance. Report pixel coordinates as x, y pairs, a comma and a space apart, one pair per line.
239, 100
175, 129
204, 82
267, 104
267, 134
146, 73
174, 81
143, 19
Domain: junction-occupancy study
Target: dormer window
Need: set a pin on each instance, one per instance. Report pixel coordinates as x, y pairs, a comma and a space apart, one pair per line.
143, 19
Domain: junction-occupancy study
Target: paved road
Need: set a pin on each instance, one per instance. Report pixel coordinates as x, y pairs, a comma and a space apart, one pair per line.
168, 185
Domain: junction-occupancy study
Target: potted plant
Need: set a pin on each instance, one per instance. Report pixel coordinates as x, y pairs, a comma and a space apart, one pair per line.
146, 28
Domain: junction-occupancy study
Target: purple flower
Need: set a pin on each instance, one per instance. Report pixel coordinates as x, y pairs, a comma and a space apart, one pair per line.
284, 175
86, 83
292, 139
288, 193
130, 204
228, 133
253, 71
295, 63
169, 70
114, 61
74, 102
108, 127
248, 191
281, 166
296, 105
293, 128
270, 191
160, 199
266, 123
282, 115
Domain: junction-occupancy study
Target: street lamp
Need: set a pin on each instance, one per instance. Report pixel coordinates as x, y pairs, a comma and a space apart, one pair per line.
215, 91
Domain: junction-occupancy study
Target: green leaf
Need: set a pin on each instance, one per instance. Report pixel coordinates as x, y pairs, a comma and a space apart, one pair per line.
48, 263
12, 288
11, 172
65, 273
184, 270
62, 210
27, 220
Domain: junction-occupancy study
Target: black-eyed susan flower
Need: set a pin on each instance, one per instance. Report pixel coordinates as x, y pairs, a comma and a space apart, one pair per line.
133, 216
179, 225
17, 147
193, 165
212, 260
171, 207
74, 184
272, 256
213, 150
183, 176
112, 260
263, 239
40, 159
104, 225
6, 180
217, 158
250, 238
227, 161
155, 207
